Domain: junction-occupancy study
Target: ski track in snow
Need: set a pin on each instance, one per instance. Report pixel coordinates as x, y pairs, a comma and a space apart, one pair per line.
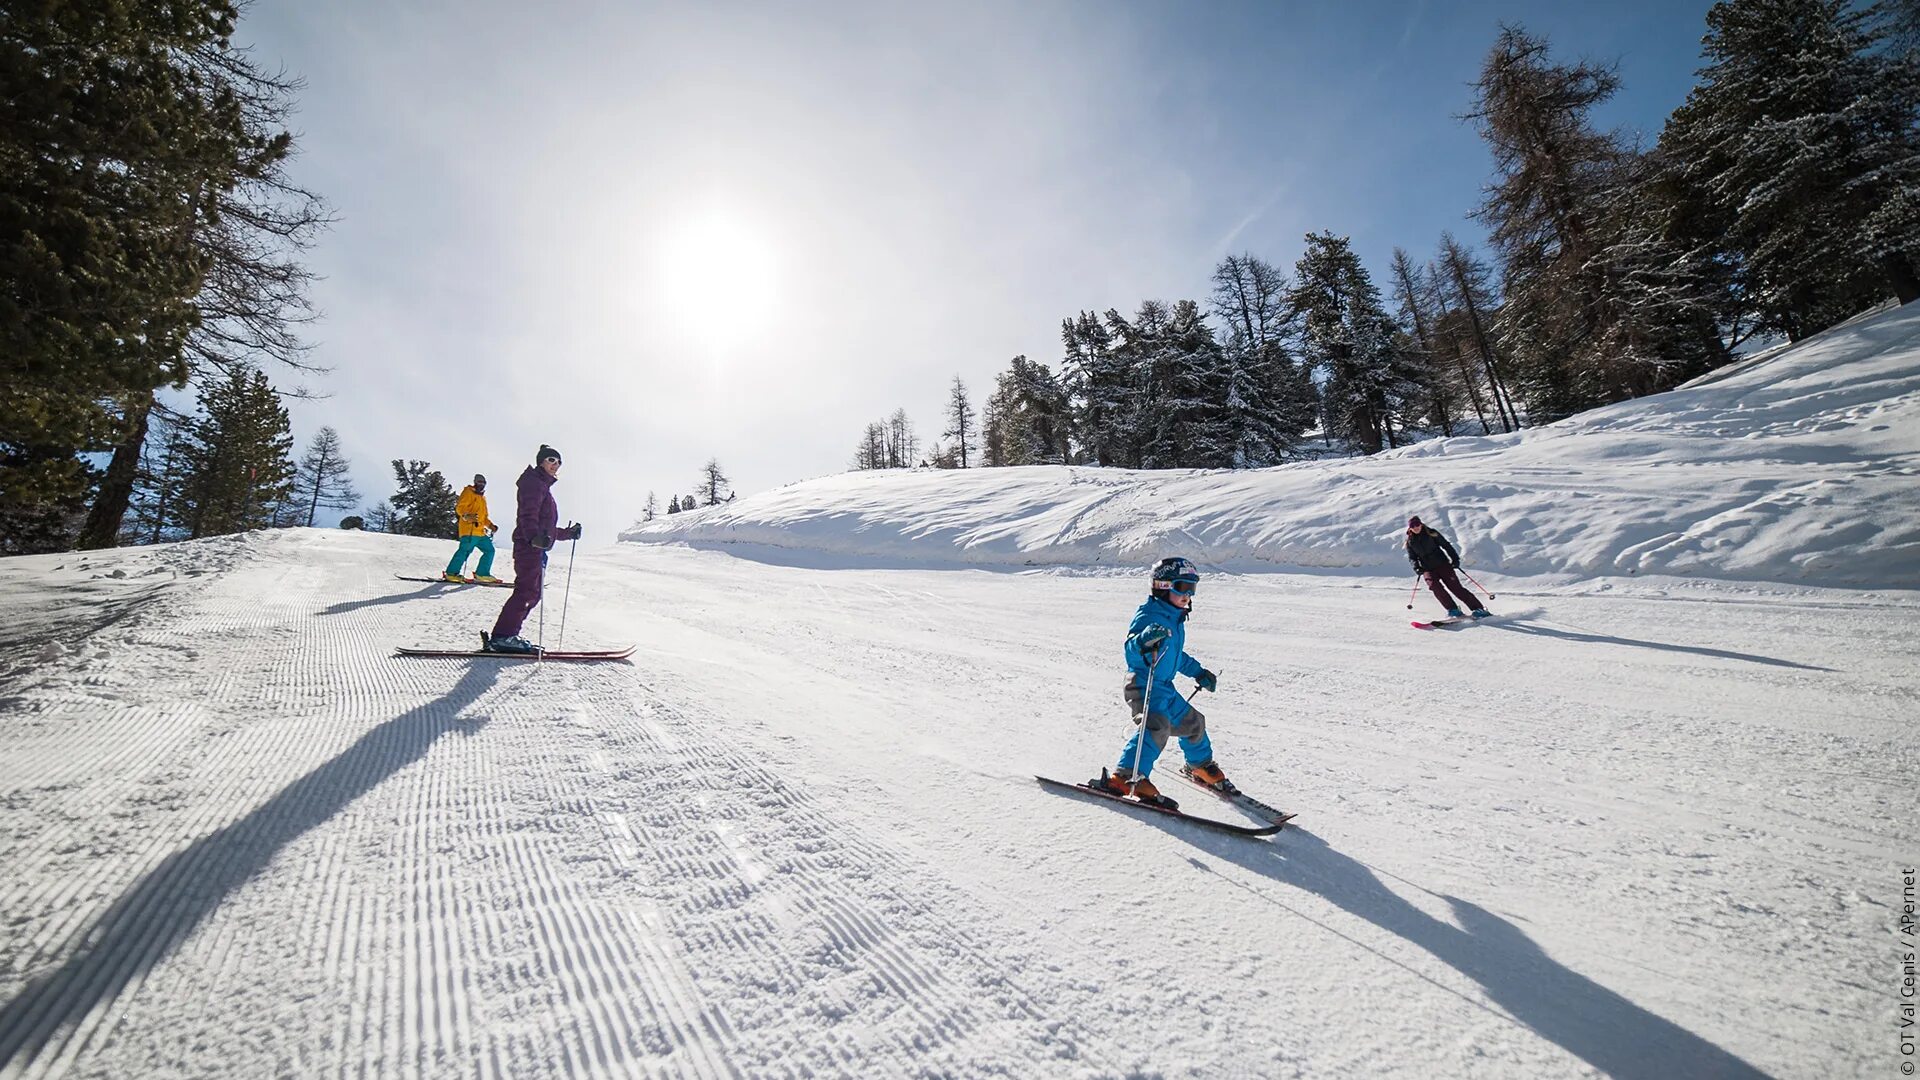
244, 839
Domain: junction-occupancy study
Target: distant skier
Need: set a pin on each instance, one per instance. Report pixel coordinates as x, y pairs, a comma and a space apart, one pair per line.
1156, 645
535, 530
1436, 560
476, 533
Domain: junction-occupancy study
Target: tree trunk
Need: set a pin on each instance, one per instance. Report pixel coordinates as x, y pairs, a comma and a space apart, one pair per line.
102, 529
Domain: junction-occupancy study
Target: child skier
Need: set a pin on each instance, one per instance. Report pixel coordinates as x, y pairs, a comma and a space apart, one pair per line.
1434, 559
476, 532
535, 529
1156, 651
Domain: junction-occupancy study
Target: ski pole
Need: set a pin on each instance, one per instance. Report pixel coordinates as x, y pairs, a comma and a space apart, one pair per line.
541, 650
1476, 581
1140, 737
565, 592
1415, 591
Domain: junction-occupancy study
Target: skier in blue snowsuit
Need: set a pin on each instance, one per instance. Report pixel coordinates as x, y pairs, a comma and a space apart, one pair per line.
1156, 641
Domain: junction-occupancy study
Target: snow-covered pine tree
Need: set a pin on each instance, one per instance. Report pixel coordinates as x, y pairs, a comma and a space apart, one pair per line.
1099, 389
1346, 334
1800, 147
234, 458
1592, 312
1269, 399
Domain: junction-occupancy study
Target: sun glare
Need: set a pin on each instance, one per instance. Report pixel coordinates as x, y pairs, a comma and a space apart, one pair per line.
719, 278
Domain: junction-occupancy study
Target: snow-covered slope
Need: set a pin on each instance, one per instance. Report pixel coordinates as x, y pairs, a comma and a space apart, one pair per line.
1634, 828
1800, 466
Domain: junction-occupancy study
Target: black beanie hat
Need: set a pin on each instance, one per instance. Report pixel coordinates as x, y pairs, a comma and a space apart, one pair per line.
545, 453
479, 481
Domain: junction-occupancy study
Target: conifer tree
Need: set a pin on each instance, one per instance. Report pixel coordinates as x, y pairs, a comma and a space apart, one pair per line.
1461, 290
1598, 304
235, 464
902, 443
961, 426
424, 504
673, 504
713, 482
1346, 334
322, 481
1100, 389
380, 517
871, 453
1799, 154
1269, 399
652, 509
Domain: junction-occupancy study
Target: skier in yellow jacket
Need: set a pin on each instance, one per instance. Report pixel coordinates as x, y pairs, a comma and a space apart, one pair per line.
476, 531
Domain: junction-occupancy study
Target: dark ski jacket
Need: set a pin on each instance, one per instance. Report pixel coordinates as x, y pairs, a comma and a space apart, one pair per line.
536, 514
1427, 550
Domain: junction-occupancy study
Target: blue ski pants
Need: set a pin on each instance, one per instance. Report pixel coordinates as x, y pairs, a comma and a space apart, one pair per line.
1191, 730
468, 544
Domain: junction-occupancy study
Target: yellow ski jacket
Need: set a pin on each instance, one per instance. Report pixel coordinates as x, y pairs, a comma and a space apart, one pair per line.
472, 509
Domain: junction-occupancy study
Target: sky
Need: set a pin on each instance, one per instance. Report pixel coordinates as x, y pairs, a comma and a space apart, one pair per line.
650, 235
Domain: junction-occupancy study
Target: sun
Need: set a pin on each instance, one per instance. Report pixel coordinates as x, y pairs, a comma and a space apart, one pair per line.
719, 277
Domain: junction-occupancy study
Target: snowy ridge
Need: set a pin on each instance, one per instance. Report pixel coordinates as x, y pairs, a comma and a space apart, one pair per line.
1801, 466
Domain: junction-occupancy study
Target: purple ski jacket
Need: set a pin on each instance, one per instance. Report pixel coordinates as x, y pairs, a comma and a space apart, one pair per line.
537, 514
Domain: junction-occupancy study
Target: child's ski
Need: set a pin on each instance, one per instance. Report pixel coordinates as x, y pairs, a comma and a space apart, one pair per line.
1210, 823
1241, 799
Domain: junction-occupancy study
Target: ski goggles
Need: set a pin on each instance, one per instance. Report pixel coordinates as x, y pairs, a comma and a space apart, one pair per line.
1185, 588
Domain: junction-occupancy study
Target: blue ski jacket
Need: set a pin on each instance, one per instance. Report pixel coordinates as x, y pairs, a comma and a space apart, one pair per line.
1170, 660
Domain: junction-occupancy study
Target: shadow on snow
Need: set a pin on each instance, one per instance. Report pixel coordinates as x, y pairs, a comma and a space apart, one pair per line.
165, 907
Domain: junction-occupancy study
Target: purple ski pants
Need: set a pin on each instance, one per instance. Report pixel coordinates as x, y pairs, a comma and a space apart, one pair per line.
1438, 580
529, 572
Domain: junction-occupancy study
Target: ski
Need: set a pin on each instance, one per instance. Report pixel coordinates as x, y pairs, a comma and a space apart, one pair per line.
466, 581
1241, 799
1440, 624
550, 654
1210, 823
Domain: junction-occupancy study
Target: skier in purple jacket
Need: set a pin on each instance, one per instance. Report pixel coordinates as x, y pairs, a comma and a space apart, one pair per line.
535, 530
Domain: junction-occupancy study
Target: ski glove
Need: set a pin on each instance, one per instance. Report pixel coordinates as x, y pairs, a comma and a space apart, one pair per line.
542, 542
571, 532
1207, 680
1150, 639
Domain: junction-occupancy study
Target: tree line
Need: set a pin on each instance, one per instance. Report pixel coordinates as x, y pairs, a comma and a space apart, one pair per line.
1782, 197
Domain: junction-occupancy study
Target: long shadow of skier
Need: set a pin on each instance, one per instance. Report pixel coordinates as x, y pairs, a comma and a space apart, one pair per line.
1557, 1003
1608, 639
163, 909
345, 606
